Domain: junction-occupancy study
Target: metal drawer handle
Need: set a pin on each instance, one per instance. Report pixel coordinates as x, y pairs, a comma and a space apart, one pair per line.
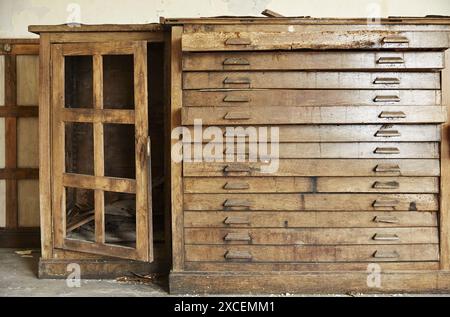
238, 255
238, 41
237, 168
236, 186
228, 98
236, 221
386, 81
386, 219
385, 203
387, 168
392, 114
238, 61
237, 116
387, 150
390, 60
386, 185
392, 98
237, 203
237, 236
386, 254
237, 81
385, 237
395, 39
387, 133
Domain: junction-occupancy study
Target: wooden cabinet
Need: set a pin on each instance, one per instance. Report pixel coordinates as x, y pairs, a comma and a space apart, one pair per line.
361, 167
102, 178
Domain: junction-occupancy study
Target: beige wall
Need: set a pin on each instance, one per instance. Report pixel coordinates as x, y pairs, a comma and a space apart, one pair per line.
16, 15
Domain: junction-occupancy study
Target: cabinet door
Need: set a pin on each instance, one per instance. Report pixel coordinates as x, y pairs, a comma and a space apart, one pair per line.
101, 149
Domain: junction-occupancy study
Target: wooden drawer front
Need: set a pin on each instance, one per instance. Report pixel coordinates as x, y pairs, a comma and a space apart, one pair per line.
345, 133
305, 266
311, 236
314, 115
295, 98
320, 167
329, 150
313, 202
291, 37
311, 60
309, 219
305, 253
213, 185
311, 80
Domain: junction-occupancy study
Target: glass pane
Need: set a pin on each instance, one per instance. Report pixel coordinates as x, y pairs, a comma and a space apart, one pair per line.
119, 150
2, 203
80, 214
2, 80
2, 142
79, 148
78, 82
118, 82
28, 142
28, 203
120, 219
27, 67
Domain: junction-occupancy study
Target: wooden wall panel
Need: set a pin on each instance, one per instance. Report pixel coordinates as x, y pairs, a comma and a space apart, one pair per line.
2, 142
2, 80
27, 80
28, 203
2, 203
27, 145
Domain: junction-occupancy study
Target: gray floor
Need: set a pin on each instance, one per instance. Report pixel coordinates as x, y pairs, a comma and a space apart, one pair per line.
18, 277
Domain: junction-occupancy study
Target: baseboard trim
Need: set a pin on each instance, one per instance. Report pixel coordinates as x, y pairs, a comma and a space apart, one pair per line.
99, 269
20, 238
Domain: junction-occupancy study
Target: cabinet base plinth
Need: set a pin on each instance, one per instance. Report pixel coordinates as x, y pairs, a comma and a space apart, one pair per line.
309, 282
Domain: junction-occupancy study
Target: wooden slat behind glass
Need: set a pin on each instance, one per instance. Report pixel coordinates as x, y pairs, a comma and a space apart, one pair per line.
28, 203
27, 145
27, 80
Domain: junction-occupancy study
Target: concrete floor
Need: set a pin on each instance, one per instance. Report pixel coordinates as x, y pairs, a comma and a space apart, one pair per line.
18, 277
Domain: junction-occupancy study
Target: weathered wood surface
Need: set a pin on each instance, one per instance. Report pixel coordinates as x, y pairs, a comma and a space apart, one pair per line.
313, 202
339, 133
305, 253
323, 150
319, 39
296, 98
311, 80
320, 167
311, 236
322, 267
308, 219
210, 185
314, 115
311, 60
310, 281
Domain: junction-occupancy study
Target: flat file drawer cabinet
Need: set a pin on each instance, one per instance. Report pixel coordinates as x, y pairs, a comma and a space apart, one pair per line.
363, 156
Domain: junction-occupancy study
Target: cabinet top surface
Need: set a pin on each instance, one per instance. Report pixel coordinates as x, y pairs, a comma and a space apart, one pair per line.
150, 27
227, 20
444, 20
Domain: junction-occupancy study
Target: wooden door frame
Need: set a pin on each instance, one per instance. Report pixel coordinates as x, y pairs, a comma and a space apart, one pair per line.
98, 182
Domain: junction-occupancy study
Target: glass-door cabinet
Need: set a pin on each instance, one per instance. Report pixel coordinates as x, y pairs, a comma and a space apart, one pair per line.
101, 180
